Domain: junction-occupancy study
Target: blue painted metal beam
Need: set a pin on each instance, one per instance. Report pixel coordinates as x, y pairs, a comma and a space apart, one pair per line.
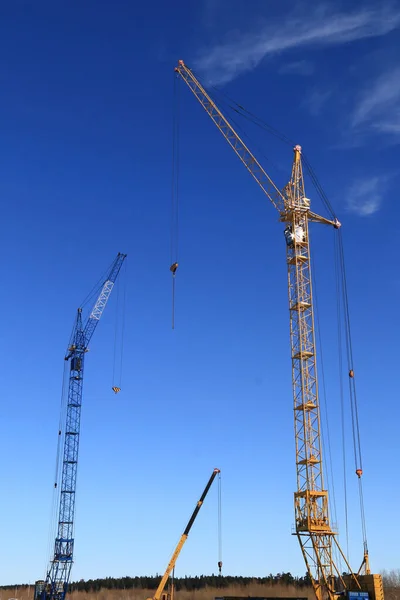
56, 584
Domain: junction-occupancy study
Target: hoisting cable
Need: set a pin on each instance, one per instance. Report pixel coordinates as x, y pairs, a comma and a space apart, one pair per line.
95, 289
326, 439
53, 524
63, 404
352, 387
219, 525
119, 336
251, 117
125, 266
114, 387
342, 297
349, 348
318, 187
285, 139
240, 129
341, 287
246, 114
341, 393
251, 142
363, 521
331, 484
241, 111
174, 234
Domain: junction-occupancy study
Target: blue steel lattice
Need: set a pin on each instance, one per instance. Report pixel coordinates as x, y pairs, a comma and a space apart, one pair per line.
56, 585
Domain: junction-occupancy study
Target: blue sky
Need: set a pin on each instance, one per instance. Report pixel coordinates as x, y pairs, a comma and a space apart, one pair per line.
86, 121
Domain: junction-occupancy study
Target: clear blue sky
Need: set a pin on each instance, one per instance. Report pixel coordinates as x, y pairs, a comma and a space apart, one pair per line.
86, 118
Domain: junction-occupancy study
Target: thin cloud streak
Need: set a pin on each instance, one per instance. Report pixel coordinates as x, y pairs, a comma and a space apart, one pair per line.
365, 196
378, 107
324, 27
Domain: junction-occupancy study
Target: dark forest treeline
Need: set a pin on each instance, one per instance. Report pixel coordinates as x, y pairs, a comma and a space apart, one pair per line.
181, 583
186, 583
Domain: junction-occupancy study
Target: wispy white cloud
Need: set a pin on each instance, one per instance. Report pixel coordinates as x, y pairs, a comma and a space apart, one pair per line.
323, 27
298, 67
365, 196
378, 107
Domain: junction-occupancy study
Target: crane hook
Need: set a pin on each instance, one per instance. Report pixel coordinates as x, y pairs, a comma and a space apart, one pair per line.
173, 268
116, 389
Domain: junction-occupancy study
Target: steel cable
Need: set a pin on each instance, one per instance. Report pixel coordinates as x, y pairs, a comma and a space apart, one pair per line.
219, 522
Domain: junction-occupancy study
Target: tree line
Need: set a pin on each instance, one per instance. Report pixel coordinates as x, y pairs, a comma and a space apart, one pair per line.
391, 581
181, 583
186, 583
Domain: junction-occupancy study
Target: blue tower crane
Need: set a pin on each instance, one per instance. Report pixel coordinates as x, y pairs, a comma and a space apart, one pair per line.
57, 578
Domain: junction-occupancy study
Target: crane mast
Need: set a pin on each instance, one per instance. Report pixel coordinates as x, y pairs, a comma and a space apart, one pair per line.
313, 528
56, 584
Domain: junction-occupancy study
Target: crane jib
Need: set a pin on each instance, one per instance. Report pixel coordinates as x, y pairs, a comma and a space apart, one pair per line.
102, 300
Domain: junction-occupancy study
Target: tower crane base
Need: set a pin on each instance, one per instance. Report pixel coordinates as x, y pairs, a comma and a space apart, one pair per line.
369, 583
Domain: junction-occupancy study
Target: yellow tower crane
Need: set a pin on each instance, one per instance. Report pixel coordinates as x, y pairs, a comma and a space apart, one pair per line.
317, 540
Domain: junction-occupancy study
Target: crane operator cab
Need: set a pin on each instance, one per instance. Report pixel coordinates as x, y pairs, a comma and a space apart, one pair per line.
39, 589
297, 235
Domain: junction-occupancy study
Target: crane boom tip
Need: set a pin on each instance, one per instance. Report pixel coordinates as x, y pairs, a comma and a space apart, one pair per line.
337, 224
